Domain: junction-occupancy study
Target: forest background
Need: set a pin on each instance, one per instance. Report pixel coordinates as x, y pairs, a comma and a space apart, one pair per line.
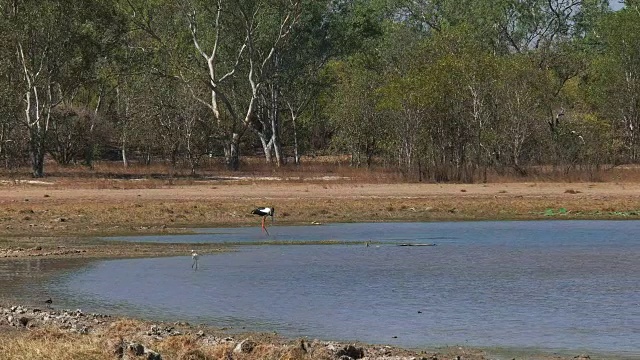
432, 90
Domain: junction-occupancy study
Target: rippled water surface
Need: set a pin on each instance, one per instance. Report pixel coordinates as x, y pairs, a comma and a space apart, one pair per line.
554, 285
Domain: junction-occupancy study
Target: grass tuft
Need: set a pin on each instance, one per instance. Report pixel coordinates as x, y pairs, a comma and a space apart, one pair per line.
52, 344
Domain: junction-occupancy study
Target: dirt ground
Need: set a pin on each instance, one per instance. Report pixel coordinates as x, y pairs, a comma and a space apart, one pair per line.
275, 190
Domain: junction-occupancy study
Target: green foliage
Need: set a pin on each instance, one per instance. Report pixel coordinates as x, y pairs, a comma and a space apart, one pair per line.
613, 83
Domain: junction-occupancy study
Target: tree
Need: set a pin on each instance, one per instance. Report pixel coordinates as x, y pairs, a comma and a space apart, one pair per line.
10, 97
230, 57
299, 77
57, 45
519, 98
360, 127
614, 79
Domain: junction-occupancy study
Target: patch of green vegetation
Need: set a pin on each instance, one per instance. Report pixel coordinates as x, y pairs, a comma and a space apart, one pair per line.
553, 212
564, 211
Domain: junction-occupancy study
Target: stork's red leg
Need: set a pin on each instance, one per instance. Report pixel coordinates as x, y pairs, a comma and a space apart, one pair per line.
264, 227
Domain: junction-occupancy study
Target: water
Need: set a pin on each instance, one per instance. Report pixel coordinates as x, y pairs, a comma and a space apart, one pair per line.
379, 232
28, 281
550, 285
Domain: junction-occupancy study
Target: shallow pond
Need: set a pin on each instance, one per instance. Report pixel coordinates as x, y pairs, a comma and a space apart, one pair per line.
551, 285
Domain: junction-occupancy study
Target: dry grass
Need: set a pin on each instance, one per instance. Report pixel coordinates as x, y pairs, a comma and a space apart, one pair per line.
97, 217
53, 344
107, 174
188, 348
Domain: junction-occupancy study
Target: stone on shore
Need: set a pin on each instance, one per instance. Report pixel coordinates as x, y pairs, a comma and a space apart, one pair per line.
351, 352
244, 347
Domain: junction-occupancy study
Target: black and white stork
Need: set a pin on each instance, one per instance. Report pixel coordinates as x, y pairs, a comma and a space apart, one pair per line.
264, 212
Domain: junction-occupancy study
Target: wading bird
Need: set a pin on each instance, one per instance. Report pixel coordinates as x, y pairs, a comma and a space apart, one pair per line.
264, 212
195, 257
48, 302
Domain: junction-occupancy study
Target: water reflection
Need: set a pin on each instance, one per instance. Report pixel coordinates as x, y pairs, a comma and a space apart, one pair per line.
27, 280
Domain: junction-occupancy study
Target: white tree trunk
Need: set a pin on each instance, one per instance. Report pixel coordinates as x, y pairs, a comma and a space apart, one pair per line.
256, 72
37, 111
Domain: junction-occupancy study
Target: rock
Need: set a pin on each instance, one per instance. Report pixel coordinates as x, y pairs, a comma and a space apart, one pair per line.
84, 330
425, 358
136, 349
155, 330
152, 355
194, 354
24, 321
351, 351
116, 347
245, 346
304, 346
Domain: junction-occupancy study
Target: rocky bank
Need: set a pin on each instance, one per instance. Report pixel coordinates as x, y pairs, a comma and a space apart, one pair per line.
135, 339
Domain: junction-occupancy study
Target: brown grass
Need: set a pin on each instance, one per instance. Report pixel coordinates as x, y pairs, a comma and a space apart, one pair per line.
112, 174
53, 344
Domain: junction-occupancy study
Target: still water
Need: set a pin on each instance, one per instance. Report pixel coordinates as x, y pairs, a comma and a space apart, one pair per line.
550, 285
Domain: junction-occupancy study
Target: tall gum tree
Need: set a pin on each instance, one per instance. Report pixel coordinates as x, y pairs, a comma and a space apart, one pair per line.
56, 46
238, 63
614, 79
37, 33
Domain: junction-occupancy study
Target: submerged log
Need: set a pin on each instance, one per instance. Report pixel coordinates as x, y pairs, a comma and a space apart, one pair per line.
416, 244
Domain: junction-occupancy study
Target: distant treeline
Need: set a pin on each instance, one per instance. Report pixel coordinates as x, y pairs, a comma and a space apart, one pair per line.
441, 90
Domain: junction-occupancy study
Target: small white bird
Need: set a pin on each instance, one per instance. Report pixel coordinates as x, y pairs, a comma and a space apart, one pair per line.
195, 257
